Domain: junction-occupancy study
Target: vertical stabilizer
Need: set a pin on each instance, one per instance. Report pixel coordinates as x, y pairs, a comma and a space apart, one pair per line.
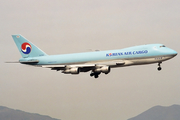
26, 48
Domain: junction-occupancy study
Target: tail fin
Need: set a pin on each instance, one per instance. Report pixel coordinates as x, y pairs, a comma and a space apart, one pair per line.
26, 48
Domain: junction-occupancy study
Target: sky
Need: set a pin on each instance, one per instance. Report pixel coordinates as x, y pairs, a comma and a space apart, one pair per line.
68, 26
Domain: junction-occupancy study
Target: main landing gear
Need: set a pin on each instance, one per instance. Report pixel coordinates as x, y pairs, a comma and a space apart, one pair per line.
159, 68
96, 75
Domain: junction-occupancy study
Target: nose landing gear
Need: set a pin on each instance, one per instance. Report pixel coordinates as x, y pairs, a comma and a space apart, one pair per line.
159, 68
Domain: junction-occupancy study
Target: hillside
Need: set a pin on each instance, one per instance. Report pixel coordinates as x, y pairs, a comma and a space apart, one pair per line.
160, 113
11, 114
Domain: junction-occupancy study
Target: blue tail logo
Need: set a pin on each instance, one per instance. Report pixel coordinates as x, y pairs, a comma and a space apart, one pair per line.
26, 48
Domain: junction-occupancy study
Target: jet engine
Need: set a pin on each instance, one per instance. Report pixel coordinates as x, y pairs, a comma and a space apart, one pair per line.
71, 71
104, 69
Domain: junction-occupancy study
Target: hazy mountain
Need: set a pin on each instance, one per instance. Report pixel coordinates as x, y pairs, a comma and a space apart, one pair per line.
11, 114
160, 113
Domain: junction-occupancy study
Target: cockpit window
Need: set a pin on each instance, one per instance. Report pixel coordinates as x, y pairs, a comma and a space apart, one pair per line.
162, 46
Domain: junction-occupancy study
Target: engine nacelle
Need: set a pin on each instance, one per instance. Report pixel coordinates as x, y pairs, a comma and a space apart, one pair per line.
104, 69
71, 71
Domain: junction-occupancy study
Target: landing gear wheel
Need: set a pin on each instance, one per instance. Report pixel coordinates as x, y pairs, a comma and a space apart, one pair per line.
96, 76
92, 74
159, 68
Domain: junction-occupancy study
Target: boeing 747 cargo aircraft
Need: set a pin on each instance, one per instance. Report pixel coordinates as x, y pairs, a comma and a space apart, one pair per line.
97, 62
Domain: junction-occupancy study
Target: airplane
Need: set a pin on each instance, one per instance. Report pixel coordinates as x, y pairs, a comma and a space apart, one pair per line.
97, 62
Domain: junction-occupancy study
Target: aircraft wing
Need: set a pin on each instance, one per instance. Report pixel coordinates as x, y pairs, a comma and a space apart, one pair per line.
111, 63
83, 67
86, 66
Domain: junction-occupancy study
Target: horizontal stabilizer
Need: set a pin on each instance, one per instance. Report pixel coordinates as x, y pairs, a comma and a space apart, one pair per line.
29, 61
12, 62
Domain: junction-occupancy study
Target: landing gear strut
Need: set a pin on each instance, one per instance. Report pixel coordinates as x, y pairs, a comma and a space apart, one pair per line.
159, 68
96, 75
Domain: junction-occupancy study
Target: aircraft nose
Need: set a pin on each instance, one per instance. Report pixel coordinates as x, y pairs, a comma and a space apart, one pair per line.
173, 52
